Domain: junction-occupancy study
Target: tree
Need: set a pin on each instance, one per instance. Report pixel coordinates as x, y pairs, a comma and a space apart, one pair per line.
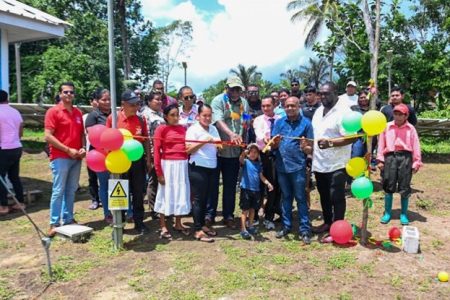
174, 42
247, 75
316, 12
290, 74
215, 89
315, 73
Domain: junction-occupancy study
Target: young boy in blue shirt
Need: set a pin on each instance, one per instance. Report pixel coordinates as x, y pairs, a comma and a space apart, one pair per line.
250, 188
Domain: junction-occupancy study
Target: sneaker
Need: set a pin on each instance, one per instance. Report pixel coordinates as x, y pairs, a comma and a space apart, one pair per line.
109, 219
327, 240
255, 223
306, 238
282, 233
321, 229
94, 205
245, 235
269, 225
252, 230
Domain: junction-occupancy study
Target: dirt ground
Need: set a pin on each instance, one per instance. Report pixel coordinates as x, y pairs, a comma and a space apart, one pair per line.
230, 268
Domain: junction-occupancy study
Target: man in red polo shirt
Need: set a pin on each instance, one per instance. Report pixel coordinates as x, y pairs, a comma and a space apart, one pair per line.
64, 133
128, 119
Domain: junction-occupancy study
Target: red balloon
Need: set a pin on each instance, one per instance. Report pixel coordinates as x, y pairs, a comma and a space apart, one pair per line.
341, 232
95, 161
394, 233
111, 139
94, 134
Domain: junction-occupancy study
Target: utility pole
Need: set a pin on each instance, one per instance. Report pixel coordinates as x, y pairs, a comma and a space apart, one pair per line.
389, 59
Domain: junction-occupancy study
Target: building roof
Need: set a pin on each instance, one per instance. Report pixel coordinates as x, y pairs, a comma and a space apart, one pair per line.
26, 11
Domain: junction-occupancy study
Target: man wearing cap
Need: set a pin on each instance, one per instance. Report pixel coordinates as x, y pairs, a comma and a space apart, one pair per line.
230, 112
350, 97
331, 153
158, 88
396, 98
295, 88
127, 118
290, 156
64, 132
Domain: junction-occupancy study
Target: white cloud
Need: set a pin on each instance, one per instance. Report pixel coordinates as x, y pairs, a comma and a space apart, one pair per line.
250, 32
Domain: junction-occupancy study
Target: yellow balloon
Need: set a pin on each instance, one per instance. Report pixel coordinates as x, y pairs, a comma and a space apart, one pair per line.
235, 115
373, 122
117, 162
356, 166
126, 134
443, 276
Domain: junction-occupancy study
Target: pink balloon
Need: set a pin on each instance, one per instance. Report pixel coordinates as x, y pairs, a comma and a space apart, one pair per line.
111, 139
341, 232
94, 134
96, 161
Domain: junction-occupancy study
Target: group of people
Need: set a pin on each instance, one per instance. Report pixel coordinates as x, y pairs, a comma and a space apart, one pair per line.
269, 146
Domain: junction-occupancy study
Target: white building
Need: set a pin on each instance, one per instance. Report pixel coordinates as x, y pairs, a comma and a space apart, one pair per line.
23, 23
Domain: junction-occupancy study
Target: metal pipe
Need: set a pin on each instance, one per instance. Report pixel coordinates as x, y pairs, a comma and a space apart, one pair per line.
18, 73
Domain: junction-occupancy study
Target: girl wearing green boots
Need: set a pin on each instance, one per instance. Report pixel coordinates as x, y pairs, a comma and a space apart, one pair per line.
398, 158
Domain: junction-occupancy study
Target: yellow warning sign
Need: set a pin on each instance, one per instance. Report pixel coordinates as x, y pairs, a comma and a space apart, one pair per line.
118, 191
118, 194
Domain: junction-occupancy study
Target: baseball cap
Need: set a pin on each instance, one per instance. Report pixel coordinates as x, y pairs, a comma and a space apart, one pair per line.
252, 145
130, 97
235, 81
351, 83
402, 108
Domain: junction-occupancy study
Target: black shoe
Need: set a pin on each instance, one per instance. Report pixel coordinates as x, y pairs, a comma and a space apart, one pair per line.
141, 229
306, 238
283, 232
321, 229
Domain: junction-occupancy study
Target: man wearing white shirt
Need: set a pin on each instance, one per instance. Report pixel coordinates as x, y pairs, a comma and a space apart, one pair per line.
350, 97
330, 154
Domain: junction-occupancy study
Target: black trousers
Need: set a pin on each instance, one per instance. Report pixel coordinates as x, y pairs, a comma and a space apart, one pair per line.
203, 187
9, 165
397, 173
331, 187
273, 205
93, 185
152, 188
136, 178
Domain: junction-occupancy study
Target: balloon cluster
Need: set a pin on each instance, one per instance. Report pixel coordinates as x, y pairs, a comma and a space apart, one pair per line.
114, 151
372, 123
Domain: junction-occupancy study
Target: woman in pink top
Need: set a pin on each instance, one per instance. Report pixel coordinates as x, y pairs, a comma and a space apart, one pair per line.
398, 157
171, 166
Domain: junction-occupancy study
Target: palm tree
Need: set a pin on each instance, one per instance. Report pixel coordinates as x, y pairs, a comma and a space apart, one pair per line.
315, 73
247, 76
316, 12
289, 75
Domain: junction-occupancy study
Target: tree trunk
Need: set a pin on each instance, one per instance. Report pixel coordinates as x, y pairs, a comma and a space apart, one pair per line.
124, 35
374, 44
331, 66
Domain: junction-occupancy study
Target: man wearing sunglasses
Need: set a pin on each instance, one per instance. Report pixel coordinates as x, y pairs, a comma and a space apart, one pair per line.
158, 88
230, 116
64, 132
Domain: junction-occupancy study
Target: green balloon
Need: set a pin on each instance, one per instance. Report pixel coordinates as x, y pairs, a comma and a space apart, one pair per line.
351, 122
362, 188
133, 149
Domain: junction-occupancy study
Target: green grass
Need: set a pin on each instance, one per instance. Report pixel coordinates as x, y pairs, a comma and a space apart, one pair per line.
67, 268
341, 260
6, 292
435, 145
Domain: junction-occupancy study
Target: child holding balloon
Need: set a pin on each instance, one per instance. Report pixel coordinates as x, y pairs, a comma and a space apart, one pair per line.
171, 165
398, 157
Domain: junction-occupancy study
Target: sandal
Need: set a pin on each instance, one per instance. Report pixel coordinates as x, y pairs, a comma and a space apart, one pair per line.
210, 232
184, 231
203, 237
165, 235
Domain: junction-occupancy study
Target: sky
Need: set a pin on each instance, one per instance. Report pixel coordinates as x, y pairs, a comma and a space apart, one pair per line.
231, 32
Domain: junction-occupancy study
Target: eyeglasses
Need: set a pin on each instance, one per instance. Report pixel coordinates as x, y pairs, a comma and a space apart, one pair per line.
252, 93
192, 97
68, 92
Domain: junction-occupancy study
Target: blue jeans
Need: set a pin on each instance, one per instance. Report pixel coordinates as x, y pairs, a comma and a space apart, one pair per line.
66, 174
293, 186
229, 167
103, 178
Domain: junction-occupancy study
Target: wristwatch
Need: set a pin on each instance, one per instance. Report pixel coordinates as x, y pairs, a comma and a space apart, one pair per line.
330, 143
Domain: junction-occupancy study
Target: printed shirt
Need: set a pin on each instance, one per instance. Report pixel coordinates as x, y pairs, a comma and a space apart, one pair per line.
190, 118
262, 126
250, 175
206, 156
403, 138
10, 122
222, 110
289, 157
328, 127
67, 128
169, 144
153, 119
132, 124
